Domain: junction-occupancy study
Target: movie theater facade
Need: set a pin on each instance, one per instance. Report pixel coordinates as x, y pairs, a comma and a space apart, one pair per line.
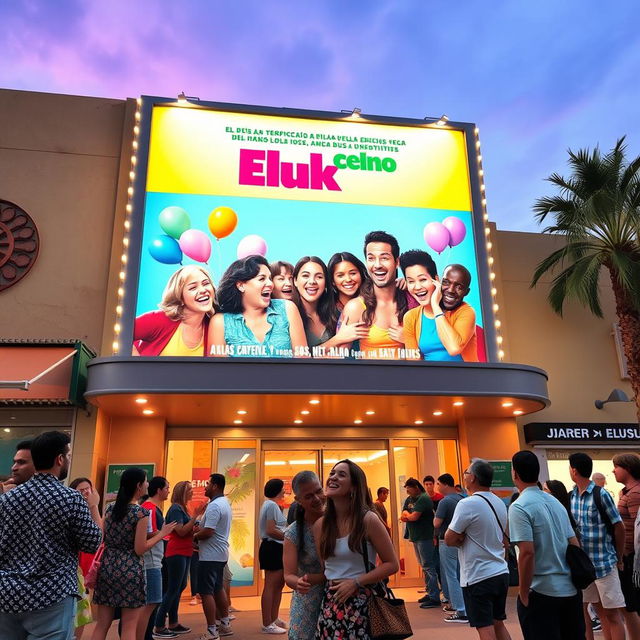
147, 189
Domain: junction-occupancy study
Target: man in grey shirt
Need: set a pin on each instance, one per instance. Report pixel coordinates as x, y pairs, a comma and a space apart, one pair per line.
213, 541
449, 564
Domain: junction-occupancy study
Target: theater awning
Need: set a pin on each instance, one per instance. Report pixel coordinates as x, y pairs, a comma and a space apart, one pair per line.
43, 373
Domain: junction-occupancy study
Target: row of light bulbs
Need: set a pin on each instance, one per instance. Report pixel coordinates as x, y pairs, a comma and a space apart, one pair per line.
129, 209
127, 228
489, 246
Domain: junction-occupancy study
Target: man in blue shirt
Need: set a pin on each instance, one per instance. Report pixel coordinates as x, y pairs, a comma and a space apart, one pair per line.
603, 540
549, 605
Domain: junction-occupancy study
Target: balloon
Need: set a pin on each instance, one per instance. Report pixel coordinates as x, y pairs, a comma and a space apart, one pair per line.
436, 235
222, 222
174, 221
252, 245
165, 249
196, 245
456, 228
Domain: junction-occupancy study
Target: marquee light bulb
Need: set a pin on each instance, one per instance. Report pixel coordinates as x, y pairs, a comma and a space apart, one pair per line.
119, 309
127, 225
132, 175
120, 292
501, 354
134, 144
122, 275
496, 308
115, 346
497, 324
499, 339
490, 260
130, 191
136, 129
116, 327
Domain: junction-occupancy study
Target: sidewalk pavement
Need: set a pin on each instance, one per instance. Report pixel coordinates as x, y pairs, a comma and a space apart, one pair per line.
247, 624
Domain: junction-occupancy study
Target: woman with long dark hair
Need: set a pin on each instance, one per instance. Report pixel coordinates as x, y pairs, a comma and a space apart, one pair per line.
252, 323
271, 526
177, 558
557, 489
313, 295
121, 581
348, 537
347, 273
302, 567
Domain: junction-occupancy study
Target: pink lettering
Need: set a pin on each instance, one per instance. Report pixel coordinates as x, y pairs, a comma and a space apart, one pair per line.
323, 177
253, 168
250, 167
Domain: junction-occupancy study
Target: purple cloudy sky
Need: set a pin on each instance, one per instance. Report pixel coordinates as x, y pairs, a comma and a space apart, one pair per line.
537, 77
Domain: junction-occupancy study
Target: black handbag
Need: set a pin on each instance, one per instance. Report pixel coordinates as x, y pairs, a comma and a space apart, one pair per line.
583, 573
388, 618
510, 552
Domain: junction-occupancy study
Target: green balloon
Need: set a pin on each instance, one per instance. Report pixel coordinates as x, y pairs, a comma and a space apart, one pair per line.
174, 221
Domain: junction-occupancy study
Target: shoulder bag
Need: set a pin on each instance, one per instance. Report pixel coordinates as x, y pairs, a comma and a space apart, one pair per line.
510, 552
388, 619
91, 579
583, 573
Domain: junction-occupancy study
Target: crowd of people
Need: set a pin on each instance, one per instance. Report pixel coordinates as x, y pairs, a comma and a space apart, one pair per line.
344, 308
63, 564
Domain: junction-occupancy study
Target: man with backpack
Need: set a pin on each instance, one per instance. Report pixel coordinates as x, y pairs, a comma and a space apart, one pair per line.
602, 537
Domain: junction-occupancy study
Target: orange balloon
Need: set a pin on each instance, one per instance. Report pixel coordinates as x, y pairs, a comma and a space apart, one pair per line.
222, 222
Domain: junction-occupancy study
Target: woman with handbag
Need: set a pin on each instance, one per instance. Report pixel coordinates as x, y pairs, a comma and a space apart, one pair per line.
348, 538
121, 580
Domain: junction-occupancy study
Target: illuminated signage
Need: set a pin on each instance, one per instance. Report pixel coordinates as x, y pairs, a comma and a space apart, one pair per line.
274, 236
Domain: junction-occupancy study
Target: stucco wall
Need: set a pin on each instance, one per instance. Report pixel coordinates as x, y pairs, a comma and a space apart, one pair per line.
59, 161
577, 350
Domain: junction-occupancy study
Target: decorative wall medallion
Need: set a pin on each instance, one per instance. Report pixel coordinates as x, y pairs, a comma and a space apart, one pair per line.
19, 244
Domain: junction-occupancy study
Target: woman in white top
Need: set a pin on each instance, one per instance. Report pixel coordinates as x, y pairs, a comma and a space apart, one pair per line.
271, 525
349, 523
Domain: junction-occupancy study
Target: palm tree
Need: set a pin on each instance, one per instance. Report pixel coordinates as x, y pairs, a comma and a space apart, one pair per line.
597, 210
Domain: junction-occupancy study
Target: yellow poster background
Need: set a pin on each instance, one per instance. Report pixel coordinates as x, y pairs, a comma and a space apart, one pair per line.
197, 151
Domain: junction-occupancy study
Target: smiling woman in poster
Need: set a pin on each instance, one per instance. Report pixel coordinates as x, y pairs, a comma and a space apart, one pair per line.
180, 327
252, 323
313, 296
432, 331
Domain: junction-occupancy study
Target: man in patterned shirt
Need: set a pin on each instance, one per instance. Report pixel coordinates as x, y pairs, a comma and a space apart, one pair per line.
604, 549
43, 525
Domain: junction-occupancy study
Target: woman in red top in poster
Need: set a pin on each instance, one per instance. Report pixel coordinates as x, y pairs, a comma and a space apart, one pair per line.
180, 328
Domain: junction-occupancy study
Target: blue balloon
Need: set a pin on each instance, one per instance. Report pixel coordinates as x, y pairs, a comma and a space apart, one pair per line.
165, 249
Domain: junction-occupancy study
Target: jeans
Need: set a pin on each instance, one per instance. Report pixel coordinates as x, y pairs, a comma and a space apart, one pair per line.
549, 618
425, 553
52, 623
450, 570
177, 573
193, 573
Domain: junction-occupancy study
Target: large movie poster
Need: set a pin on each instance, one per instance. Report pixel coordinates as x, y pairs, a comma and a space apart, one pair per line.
287, 237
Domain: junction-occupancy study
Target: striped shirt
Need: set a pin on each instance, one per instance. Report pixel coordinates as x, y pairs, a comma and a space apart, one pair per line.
595, 540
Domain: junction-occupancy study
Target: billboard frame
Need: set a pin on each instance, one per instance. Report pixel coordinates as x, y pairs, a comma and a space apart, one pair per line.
141, 149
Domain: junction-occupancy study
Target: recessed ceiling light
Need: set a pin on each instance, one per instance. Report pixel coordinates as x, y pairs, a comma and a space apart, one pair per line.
7, 430
237, 421
141, 400
437, 413
458, 403
315, 401
357, 421
297, 421
241, 412
418, 421
370, 412
507, 404
305, 412
148, 412
518, 412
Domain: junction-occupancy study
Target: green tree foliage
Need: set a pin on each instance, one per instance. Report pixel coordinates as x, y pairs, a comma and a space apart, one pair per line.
597, 211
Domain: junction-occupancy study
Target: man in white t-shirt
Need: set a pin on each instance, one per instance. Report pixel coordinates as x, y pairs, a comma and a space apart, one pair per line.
213, 541
477, 528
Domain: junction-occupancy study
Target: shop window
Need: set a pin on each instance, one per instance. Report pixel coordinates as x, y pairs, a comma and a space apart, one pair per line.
237, 462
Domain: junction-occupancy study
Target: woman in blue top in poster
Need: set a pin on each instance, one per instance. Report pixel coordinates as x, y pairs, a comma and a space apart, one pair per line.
252, 323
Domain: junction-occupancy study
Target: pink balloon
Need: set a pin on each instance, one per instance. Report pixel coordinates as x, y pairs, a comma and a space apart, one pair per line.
252, 245
436, 235
457, 230
195, 244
